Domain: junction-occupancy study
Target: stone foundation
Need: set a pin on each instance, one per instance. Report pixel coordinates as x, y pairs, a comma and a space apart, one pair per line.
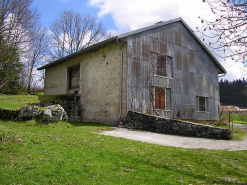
139, 121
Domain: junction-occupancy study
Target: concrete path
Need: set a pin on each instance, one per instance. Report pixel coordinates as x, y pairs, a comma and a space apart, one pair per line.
178, 141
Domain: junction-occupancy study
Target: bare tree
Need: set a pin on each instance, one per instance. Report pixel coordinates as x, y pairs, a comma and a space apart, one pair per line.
17, 18
36, 56
71, 32
227, 32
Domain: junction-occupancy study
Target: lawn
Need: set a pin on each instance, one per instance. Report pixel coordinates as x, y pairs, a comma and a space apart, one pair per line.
241, 122
17, 101
236, 118
73, 153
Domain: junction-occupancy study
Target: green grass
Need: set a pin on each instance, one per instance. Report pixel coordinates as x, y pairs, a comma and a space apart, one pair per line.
39, 93
236, 117
64, 153
241, 122
238, 134
17, 101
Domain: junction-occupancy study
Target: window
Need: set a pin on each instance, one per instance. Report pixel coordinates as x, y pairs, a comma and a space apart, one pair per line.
202, 104
160, 98
74, 77
161, 65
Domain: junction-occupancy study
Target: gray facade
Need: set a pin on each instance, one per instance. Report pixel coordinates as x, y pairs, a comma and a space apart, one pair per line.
115, 75
193, 72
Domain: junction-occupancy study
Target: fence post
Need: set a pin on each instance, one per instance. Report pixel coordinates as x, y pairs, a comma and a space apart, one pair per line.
229, 119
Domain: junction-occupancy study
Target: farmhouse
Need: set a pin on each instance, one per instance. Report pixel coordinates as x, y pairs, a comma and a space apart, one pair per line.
161, 69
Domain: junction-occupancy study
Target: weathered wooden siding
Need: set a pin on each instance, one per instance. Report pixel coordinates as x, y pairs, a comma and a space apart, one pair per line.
193, 72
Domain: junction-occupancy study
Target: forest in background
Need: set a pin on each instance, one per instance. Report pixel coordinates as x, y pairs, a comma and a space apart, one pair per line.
233, 92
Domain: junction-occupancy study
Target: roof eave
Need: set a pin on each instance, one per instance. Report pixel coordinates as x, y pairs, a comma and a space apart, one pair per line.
78, 53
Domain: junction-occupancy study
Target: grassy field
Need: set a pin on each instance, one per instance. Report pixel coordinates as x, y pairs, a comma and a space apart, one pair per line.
241, 122
65, 153
17, 101
236, 118
74, 153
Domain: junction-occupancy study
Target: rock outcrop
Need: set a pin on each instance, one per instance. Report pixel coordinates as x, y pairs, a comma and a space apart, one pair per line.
28, 113
54, 113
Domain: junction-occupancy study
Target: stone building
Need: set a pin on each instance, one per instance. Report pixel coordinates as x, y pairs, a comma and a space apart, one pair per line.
160, 69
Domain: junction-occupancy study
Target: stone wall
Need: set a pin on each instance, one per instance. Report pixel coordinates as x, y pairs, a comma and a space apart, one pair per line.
70, 107
9, 114
139, 121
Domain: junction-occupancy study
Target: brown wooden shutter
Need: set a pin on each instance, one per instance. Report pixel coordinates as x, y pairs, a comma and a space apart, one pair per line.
160, 98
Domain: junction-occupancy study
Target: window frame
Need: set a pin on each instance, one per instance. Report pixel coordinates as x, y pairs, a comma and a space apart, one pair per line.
205, 104
70, 87
162, 63
169, 65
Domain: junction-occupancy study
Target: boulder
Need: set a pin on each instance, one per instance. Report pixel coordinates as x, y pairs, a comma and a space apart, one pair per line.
28, 113
54, 113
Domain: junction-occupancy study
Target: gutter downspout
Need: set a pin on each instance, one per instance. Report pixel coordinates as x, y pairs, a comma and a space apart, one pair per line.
121, 83
222, 75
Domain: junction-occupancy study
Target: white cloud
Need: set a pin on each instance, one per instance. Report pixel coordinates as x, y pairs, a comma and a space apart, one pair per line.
133, 14
130, 15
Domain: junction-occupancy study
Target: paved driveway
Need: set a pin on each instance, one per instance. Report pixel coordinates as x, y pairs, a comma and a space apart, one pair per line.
178, 141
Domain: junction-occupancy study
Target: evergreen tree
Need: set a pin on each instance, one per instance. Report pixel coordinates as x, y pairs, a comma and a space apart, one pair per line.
10, 69
233, 93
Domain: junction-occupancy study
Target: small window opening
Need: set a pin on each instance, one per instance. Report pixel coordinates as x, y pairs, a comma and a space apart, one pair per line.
202, 104
74, 77
161, 65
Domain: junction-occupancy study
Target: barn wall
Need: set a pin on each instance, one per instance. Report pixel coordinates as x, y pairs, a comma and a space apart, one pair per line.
99, 86
194, 72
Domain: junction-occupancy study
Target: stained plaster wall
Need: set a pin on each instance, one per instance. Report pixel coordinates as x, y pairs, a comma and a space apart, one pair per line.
99, 85
194, 72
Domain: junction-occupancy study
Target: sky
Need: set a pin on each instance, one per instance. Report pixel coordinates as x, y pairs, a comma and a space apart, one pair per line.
119, 16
